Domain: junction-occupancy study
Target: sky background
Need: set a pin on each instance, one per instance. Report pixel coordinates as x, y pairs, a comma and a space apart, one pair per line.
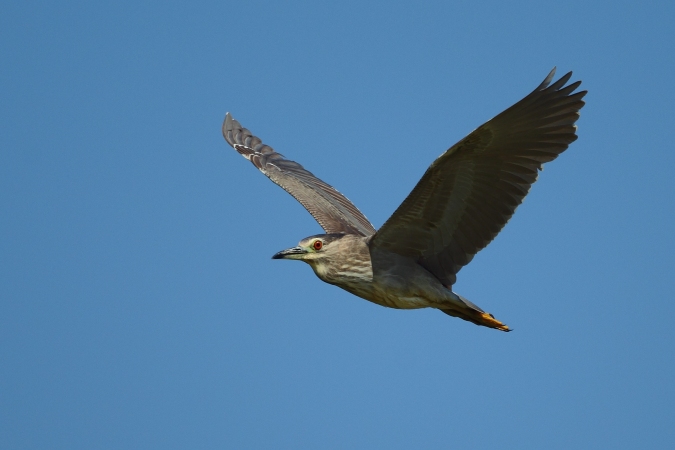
139, 306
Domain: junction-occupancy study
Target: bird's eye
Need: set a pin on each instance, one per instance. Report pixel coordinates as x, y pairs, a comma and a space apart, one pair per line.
317, 245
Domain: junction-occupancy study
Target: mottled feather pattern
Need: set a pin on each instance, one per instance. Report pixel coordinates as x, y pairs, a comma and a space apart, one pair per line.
334, 212
459, 205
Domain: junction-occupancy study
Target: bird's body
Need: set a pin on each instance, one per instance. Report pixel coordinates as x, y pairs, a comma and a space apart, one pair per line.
463, 200
382, 277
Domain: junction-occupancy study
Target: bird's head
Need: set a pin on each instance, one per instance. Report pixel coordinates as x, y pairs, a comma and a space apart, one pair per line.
312, 250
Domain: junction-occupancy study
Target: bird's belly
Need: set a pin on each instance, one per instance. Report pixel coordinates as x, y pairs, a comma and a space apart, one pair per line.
388, 298
393, 281
399, 282
399, 300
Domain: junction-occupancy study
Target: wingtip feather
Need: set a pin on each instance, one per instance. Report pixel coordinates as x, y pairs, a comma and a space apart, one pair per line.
544, 84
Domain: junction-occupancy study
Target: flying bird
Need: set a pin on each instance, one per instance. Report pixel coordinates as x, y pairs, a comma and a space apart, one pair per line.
461, 203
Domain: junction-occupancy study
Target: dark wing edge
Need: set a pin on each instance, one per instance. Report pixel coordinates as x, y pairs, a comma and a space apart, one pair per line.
332, 210
471, 191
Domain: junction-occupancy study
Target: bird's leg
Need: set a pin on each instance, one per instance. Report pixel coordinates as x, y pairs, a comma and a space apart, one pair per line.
489, 320
477, 317
473, 313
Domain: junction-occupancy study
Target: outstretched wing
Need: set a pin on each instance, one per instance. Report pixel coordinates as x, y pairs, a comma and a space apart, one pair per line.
469, 193
331, 209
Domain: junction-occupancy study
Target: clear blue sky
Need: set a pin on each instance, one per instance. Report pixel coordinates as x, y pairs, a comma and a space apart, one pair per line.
139, 306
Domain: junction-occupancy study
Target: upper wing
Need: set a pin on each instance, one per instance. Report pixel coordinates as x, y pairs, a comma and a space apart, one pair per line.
331, 209
469, 193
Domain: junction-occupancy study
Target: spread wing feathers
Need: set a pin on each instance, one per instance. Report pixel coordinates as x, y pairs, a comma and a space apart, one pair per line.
334, 212
469, 193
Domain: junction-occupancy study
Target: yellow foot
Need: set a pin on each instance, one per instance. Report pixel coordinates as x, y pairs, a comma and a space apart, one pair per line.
489, 321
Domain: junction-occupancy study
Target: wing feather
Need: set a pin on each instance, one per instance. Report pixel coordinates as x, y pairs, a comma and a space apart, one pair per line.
471, 191
334, 212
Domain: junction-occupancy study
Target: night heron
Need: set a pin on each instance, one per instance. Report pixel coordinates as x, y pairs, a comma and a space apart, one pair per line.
463, 200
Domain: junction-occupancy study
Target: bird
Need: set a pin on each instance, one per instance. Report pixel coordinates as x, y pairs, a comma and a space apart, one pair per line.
456, 209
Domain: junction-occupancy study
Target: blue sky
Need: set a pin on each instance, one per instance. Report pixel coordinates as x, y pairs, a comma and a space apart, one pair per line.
139, 306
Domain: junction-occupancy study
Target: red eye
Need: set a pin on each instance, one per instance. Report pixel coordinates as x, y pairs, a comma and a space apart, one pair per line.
317, 245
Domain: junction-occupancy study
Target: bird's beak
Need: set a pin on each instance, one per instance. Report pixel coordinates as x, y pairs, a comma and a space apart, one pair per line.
290, 253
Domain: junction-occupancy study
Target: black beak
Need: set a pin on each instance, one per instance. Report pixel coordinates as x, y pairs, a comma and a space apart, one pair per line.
286, 254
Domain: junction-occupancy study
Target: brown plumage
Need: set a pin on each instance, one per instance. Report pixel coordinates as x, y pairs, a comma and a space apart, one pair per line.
461, 203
